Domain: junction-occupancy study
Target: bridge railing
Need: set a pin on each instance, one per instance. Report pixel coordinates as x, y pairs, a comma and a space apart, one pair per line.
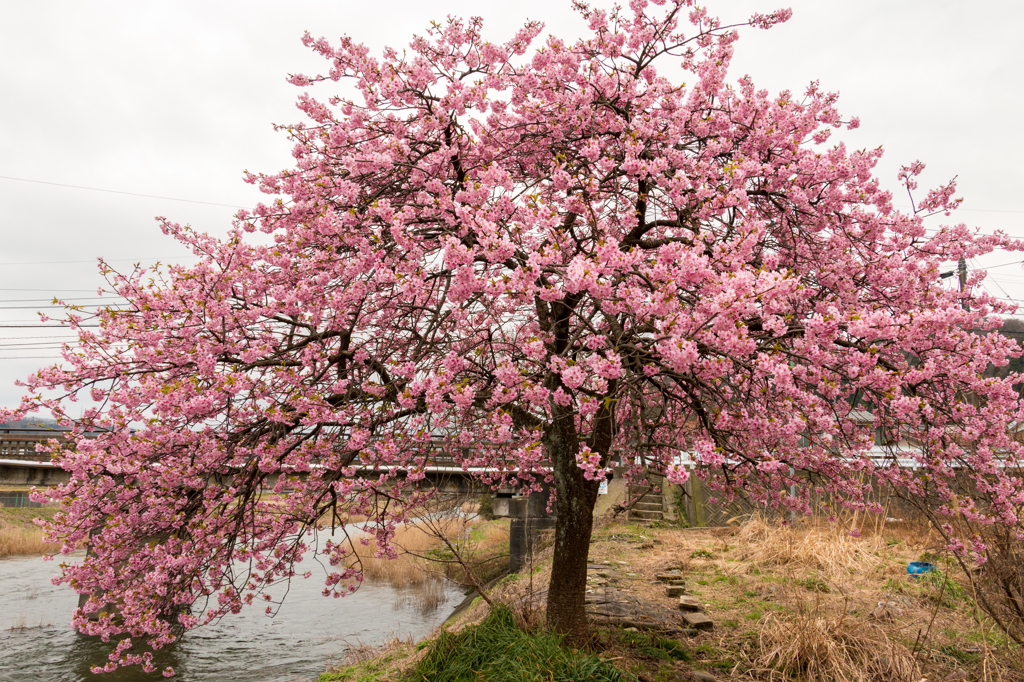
23, 447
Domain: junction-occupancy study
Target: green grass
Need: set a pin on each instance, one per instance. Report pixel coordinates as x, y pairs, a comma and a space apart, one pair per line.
777, 579
478, 533
962, 657
23, 516
367, 671
993, 638
897, 586
498, 651
652, 645
702, 554
507, 580
814, 585
938, 587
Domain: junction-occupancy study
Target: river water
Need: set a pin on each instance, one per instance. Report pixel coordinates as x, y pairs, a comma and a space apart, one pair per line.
308, 632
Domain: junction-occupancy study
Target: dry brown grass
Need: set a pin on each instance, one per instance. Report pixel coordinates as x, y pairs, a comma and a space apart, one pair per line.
775, 617
814, 561
21, 541
19, 535
825, 548
405, 569
492, 536
389, 661
421, 550
809, 645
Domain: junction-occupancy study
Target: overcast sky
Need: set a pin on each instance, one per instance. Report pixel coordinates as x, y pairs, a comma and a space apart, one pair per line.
176, 99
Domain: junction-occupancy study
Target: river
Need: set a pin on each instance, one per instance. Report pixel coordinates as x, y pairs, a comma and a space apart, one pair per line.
308, 632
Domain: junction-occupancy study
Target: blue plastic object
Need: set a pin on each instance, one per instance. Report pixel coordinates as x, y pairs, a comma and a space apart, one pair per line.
916, 568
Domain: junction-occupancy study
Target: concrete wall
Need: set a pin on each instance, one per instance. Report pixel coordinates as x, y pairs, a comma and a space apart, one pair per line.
27, 475
616, 494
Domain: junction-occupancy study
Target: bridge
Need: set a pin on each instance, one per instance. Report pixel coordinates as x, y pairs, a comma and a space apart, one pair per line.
21, 465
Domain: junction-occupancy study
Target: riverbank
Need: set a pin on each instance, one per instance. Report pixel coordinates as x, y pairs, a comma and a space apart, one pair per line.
775, 603
18, 533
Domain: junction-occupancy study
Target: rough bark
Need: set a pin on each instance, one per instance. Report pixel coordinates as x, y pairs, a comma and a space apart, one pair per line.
574, 505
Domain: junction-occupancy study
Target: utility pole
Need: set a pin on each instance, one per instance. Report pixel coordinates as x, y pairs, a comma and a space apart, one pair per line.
962, 270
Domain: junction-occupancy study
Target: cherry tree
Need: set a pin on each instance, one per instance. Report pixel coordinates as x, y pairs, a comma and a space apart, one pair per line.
536, 256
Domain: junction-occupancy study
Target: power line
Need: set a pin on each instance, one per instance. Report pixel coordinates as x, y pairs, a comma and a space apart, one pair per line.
214, 203
986, 210
1001, 265
93, 260
90, 290
72, 298
115, 191
994, 280
49, 344
40, 307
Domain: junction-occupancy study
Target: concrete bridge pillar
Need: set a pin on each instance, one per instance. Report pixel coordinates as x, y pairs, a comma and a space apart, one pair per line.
530, 521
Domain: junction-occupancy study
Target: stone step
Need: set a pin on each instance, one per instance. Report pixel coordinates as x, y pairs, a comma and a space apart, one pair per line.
648, 506
688, 602
647, 515
697, 620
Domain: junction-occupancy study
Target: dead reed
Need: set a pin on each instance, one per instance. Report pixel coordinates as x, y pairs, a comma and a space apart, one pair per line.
21, 622
423, 553
407, 568
829, 549
19, 535
811, 646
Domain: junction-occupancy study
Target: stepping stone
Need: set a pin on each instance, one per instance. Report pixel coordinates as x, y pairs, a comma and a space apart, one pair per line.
602, 572
675, 590
688, 602
612, 609
698, 621
669, 575
677, 583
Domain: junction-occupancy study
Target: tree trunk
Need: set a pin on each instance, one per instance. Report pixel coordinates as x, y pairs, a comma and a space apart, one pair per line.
574, 505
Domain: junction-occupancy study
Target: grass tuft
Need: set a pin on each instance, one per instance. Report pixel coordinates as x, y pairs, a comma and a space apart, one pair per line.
497, 650
828, 549
813, 647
